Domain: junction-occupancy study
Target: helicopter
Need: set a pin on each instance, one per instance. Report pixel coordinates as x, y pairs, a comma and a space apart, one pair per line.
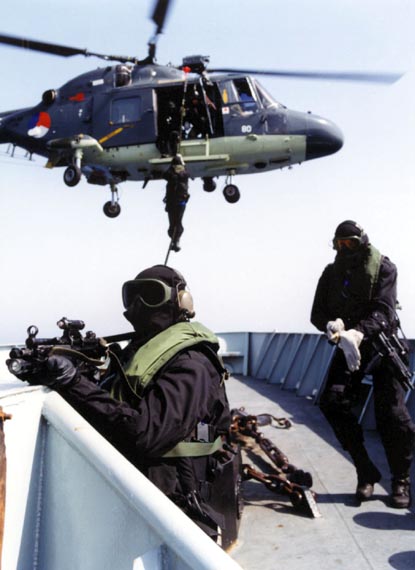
126, 122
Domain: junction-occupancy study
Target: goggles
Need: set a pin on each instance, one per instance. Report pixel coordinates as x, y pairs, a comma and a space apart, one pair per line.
351, 243
152, 292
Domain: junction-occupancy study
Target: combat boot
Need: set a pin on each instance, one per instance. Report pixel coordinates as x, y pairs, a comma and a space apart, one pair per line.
400, 497
367, 474
366, 482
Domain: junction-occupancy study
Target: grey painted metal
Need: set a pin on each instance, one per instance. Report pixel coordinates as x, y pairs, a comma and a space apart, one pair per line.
234, 349
300, 362
74, 502
260, 370
281, 359
272, 351
256, 341
316, 370
292, 372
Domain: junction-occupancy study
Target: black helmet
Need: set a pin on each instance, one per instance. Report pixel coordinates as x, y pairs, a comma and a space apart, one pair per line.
350, 235
156, 299
177, 160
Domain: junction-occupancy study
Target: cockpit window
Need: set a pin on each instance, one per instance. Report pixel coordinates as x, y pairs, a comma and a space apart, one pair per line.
238, 91
265, 98
126, 110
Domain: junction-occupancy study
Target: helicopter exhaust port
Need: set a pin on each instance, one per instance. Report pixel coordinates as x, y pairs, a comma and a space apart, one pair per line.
49, 96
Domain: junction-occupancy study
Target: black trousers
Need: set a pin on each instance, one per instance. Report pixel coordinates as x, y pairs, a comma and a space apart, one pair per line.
175, 213
340, 399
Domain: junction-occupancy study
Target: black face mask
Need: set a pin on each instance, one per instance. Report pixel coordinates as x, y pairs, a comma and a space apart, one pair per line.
148, 322
347, 258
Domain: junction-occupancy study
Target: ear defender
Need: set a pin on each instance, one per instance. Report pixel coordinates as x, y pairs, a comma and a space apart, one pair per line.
185, 302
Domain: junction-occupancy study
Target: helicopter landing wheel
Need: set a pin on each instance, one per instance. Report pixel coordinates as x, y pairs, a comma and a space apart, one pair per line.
231, 193
209, 185
72, 175
112, 210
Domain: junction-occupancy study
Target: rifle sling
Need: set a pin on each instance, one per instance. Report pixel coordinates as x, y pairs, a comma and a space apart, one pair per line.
65, 351
194, 448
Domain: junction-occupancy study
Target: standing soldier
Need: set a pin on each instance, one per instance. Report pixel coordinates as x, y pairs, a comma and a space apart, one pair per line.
355, 300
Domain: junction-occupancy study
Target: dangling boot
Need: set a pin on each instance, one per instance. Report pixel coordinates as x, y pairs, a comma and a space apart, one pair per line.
175, 245
400, 497
367, 474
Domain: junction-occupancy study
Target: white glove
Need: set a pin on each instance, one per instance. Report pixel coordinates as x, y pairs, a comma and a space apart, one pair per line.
349, 342
333, 328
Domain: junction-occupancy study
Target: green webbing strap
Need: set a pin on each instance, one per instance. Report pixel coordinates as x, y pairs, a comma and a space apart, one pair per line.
194, 448
66, 351
373, 267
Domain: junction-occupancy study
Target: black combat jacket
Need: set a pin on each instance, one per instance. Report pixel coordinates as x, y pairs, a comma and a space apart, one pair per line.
343, 292
189, 389
177, 188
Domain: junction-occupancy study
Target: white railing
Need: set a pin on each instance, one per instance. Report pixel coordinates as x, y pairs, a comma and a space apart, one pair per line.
73, 501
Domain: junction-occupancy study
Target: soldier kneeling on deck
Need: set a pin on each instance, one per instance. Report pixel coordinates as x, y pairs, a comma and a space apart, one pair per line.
167, 409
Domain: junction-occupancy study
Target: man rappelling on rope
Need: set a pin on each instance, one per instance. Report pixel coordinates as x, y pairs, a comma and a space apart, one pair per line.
177, 187
177, 195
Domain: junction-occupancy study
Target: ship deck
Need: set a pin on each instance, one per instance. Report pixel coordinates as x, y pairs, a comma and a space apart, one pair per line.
273, 534
348, 535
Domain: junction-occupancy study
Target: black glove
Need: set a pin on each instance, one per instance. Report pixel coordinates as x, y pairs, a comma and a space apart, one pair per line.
55, 372
60, 371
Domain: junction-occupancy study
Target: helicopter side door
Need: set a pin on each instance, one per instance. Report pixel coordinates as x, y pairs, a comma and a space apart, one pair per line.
124, 117
240, 109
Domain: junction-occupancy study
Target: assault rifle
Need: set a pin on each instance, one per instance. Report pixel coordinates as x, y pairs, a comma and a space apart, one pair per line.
393, 349
89, 349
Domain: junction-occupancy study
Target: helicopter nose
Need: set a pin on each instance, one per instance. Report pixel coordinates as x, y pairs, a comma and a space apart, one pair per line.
323, 137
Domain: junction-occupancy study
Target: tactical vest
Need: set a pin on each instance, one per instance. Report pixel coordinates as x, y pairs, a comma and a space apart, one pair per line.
351, 288
153, 356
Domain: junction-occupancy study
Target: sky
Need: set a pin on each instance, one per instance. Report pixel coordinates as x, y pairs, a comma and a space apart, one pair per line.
251, 266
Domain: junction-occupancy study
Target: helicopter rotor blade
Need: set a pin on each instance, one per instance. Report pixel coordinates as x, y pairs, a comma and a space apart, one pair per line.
368, 77
56, 49
159, 16
160, 13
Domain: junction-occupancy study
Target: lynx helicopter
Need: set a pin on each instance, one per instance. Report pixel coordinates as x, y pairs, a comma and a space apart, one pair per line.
126, 121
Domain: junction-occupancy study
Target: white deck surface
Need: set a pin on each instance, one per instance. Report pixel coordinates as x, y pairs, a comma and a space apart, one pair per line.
348, 535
